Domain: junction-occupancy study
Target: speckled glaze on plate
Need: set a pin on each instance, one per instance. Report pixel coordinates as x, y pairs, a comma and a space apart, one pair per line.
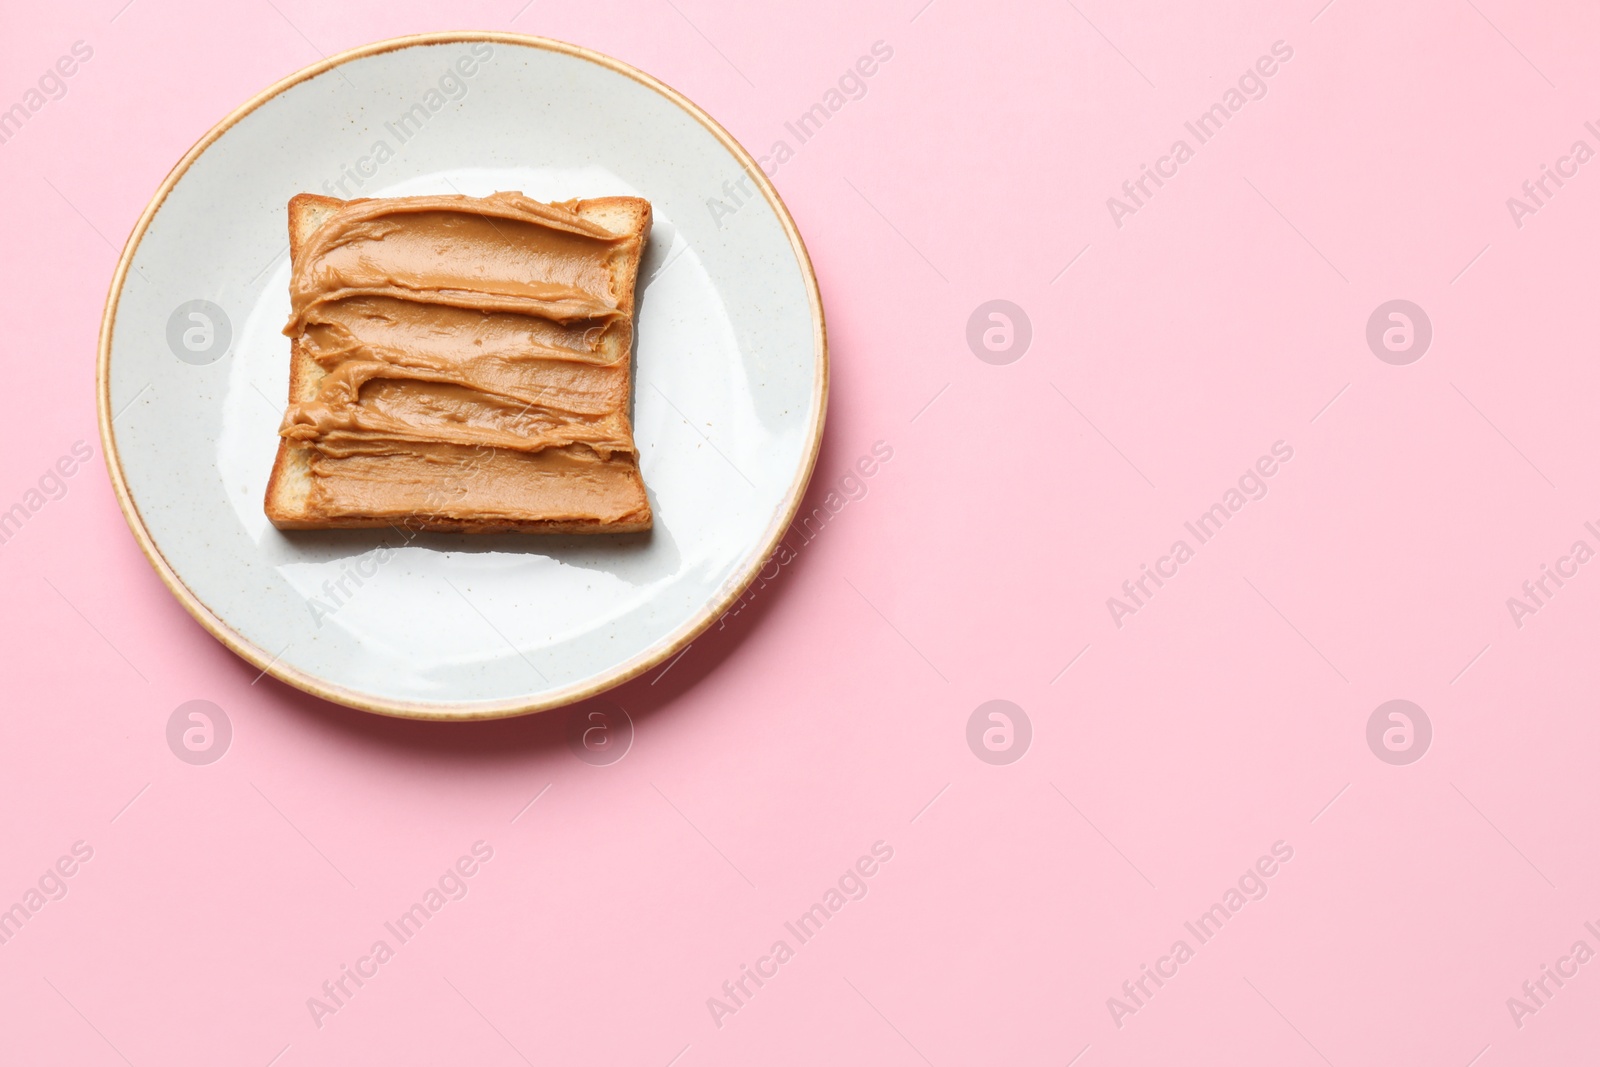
730, 385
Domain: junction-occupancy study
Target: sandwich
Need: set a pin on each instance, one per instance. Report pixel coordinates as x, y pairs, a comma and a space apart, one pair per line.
461, 364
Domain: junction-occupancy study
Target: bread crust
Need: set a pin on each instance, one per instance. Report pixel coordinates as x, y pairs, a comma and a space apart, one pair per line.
289, 484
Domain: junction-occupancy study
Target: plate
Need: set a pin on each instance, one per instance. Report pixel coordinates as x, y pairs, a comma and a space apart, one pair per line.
730, 383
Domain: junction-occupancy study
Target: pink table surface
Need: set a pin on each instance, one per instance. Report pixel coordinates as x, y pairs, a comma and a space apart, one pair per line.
1177, 740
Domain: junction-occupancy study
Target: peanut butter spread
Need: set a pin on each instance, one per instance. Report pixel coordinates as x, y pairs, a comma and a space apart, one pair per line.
474, 358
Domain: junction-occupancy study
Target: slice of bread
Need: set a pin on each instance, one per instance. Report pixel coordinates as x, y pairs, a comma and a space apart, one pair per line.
510, 491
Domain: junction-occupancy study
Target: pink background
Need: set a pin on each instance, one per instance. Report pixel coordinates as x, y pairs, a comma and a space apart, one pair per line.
1224, 716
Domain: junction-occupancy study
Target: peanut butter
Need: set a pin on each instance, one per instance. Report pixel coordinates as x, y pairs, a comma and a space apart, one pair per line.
474, 357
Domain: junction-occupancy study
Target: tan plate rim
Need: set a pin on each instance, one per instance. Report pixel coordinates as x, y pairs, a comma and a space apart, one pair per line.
669, 646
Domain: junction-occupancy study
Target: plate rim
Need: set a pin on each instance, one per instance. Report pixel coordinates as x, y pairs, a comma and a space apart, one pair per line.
673, 643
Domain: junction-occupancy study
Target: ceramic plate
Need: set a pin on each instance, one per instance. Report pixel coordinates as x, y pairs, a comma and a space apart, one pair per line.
729, 390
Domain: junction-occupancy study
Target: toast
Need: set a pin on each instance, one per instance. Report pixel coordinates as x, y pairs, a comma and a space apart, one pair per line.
529, 433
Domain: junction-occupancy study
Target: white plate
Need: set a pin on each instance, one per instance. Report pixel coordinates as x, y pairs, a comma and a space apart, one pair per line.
729, 394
